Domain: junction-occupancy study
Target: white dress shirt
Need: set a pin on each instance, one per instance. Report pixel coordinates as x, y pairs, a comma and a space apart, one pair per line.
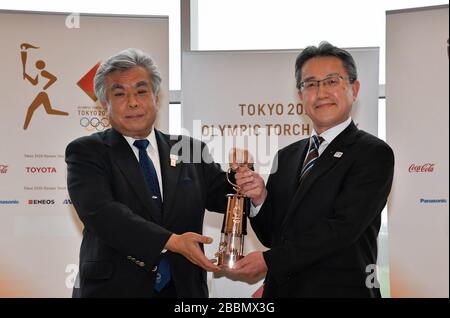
152, 151
329, 135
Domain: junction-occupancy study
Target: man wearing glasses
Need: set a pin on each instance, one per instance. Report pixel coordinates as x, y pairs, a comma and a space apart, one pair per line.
320, 212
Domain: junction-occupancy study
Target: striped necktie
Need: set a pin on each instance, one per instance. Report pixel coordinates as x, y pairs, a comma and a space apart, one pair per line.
313, 154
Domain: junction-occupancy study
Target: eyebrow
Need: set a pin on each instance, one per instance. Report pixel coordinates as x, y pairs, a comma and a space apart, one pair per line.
136, 85
141, 83
116, 86
311, 78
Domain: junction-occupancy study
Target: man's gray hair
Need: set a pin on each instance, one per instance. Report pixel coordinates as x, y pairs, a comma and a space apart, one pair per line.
122, 61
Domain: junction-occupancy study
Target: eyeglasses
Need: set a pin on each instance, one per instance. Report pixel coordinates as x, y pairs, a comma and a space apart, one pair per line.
312, 86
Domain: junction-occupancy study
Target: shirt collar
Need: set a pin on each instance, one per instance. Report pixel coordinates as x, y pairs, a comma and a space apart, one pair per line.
151, 138
333, 132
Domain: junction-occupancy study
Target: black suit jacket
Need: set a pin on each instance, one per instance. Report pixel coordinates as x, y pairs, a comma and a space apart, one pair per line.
323, 234
123, 233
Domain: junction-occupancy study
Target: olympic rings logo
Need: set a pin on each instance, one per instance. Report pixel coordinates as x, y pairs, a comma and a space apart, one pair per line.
92, 123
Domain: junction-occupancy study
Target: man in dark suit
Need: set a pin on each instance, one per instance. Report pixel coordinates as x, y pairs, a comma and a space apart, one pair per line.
141, 194
320, 213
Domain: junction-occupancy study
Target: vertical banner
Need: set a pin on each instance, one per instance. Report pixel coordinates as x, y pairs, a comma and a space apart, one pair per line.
249, 99
417, 97
47, 65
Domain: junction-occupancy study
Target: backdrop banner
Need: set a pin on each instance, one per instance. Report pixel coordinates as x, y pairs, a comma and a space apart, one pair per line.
417, 102
248, 99
47, 67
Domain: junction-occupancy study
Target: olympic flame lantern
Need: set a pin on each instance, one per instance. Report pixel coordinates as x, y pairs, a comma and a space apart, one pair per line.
234, 227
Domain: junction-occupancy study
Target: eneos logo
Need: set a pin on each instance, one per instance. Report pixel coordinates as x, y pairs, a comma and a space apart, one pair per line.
41, 202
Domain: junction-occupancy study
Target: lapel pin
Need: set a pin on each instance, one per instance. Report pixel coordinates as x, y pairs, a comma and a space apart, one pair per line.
173, 160
338, 154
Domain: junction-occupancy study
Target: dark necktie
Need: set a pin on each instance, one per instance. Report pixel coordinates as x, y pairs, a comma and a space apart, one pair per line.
311, 156
149, 171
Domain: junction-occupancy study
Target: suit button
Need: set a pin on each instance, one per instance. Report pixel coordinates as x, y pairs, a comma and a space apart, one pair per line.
155, 268
141, 264
129, 257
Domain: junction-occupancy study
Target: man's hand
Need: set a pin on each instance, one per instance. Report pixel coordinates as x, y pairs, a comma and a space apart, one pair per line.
187, 244
251, 268
251, 184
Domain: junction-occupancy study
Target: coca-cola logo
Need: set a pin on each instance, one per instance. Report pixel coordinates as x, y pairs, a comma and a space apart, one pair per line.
3, 168
427, 167
40, 169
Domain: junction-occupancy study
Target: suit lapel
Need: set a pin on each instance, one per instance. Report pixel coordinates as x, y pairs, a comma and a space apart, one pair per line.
170, 173
125, 159
324, 163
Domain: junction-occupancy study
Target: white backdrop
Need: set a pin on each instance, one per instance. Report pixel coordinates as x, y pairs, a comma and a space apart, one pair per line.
417, 102
256, 90
39, 230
